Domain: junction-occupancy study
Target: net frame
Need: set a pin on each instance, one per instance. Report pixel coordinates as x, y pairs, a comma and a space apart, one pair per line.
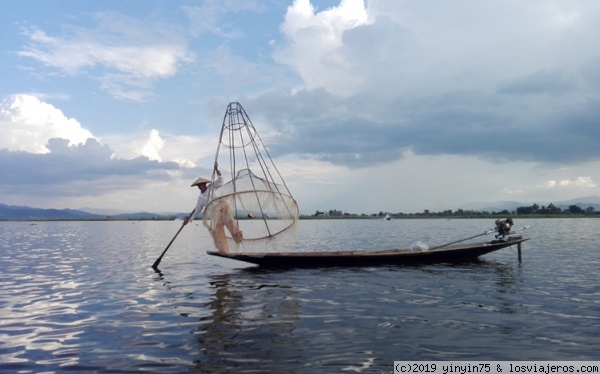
254, 182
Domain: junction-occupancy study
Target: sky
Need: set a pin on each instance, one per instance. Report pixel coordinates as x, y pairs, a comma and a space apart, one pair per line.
366, 106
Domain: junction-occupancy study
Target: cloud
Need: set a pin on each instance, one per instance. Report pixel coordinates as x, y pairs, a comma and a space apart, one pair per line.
187, 151
539, 82
43, 150
134, 53
208, 17
579, 182
389, 77
27, 123
314, 45
78, 170
236, 72
153, 146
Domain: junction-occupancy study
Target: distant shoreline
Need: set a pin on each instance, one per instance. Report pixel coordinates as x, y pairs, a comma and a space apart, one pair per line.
303, 217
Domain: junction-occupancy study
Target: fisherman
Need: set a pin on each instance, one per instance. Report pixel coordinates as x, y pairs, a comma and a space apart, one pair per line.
225, 218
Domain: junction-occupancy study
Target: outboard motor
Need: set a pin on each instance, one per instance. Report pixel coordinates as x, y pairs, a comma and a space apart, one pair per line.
503, 226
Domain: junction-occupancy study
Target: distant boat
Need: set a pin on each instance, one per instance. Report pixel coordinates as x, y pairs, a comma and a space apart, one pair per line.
387, 217
444, 253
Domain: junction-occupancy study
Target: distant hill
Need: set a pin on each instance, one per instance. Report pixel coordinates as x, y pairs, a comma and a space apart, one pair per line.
583, 203
12, 212
8, 212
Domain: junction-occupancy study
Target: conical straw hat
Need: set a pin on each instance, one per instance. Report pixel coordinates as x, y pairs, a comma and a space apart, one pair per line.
200, 180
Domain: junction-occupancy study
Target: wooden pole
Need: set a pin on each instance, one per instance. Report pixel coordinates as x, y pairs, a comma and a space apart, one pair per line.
155, 264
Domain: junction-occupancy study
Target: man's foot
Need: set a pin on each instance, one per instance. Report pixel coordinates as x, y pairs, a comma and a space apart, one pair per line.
238, 236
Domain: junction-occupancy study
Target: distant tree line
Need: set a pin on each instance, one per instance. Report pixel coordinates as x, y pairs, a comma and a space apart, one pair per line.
552, 210
535, 209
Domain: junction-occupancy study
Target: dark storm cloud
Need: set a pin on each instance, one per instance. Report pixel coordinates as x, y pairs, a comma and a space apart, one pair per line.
76, 170
537, 118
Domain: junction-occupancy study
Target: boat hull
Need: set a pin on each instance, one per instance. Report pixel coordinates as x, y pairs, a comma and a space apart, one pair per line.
450, 253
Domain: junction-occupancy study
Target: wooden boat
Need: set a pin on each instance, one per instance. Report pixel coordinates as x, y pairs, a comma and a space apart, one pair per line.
445, 253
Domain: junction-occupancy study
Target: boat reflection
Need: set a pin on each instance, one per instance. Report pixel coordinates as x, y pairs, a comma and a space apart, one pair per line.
250, 326
310, 319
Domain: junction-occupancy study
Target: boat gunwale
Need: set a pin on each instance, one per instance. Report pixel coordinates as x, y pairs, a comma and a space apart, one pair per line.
375, 253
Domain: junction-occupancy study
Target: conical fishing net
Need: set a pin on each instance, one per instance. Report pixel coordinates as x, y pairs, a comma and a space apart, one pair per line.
254, 210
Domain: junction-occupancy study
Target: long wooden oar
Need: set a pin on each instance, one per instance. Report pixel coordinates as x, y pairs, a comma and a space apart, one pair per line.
158, 260
475, 236
462, 240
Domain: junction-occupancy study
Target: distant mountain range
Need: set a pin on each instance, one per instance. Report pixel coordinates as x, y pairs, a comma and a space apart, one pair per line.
12, 212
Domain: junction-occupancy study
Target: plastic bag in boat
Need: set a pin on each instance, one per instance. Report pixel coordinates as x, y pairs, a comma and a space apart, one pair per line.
419, 247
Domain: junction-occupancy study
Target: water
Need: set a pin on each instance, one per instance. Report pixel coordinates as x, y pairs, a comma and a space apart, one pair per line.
82, 297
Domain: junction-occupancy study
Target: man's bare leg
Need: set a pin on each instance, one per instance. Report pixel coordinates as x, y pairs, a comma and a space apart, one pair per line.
226, 218
220, 239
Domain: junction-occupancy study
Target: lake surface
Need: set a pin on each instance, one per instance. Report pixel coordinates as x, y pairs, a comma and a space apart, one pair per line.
82, 297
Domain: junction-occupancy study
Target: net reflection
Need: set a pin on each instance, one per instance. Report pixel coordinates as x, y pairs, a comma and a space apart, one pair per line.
251, 326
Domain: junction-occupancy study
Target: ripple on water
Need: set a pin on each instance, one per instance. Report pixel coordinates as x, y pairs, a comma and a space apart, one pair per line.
81, 296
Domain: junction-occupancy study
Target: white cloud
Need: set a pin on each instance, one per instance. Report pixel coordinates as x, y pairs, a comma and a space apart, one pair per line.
548, 184
422, 48
187, 151
135, 53
579, 182
153, 146
315, 44
72, 55
28, 123
207, 17
40, 146
509, 191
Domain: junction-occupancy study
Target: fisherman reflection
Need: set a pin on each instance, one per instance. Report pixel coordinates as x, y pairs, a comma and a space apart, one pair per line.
251, 324
224, 215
